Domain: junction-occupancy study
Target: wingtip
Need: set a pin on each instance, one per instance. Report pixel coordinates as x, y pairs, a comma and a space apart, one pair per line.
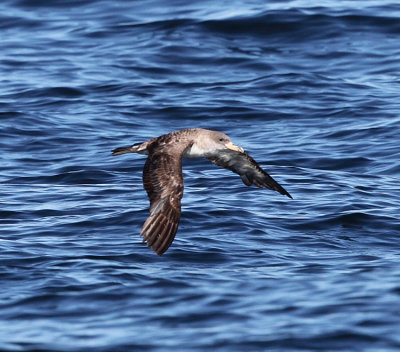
285, 192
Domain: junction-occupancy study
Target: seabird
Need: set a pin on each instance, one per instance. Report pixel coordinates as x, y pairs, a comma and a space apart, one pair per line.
163, 179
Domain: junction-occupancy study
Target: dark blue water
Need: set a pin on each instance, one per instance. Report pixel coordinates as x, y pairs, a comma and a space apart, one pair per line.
310, 89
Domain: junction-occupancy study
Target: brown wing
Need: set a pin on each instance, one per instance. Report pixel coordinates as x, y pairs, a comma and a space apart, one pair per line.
163, 181
248, 169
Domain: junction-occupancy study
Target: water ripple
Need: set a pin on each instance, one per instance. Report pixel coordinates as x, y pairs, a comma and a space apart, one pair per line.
310, 90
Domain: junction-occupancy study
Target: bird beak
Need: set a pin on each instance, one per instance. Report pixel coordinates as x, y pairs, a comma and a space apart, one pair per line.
233, 147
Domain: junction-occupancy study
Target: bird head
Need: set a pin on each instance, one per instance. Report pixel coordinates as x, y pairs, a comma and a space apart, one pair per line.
223, 140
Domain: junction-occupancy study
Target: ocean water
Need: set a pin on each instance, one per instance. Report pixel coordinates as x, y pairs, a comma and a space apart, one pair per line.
311, 89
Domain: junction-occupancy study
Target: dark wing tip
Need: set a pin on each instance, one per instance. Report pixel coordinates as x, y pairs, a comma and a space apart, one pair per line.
265, 180
286, 193
274, 185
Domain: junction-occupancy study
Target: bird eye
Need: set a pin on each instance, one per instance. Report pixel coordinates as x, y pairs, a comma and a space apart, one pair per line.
221, 139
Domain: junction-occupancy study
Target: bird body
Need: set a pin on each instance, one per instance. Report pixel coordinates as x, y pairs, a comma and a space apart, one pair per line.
163, 179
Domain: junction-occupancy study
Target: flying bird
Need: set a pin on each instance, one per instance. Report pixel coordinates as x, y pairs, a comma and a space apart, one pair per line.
163, 179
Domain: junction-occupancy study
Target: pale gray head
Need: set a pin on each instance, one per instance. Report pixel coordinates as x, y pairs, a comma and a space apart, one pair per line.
208, 143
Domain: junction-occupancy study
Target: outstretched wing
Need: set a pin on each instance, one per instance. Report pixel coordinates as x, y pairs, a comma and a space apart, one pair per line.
248, 169
163, 181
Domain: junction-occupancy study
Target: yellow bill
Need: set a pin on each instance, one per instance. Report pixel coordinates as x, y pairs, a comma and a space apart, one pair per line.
233, 147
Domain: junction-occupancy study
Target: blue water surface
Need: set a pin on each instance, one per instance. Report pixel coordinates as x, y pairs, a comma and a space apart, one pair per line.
311, 89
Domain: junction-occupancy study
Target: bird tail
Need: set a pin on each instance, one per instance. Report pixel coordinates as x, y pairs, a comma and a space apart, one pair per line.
136, 148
